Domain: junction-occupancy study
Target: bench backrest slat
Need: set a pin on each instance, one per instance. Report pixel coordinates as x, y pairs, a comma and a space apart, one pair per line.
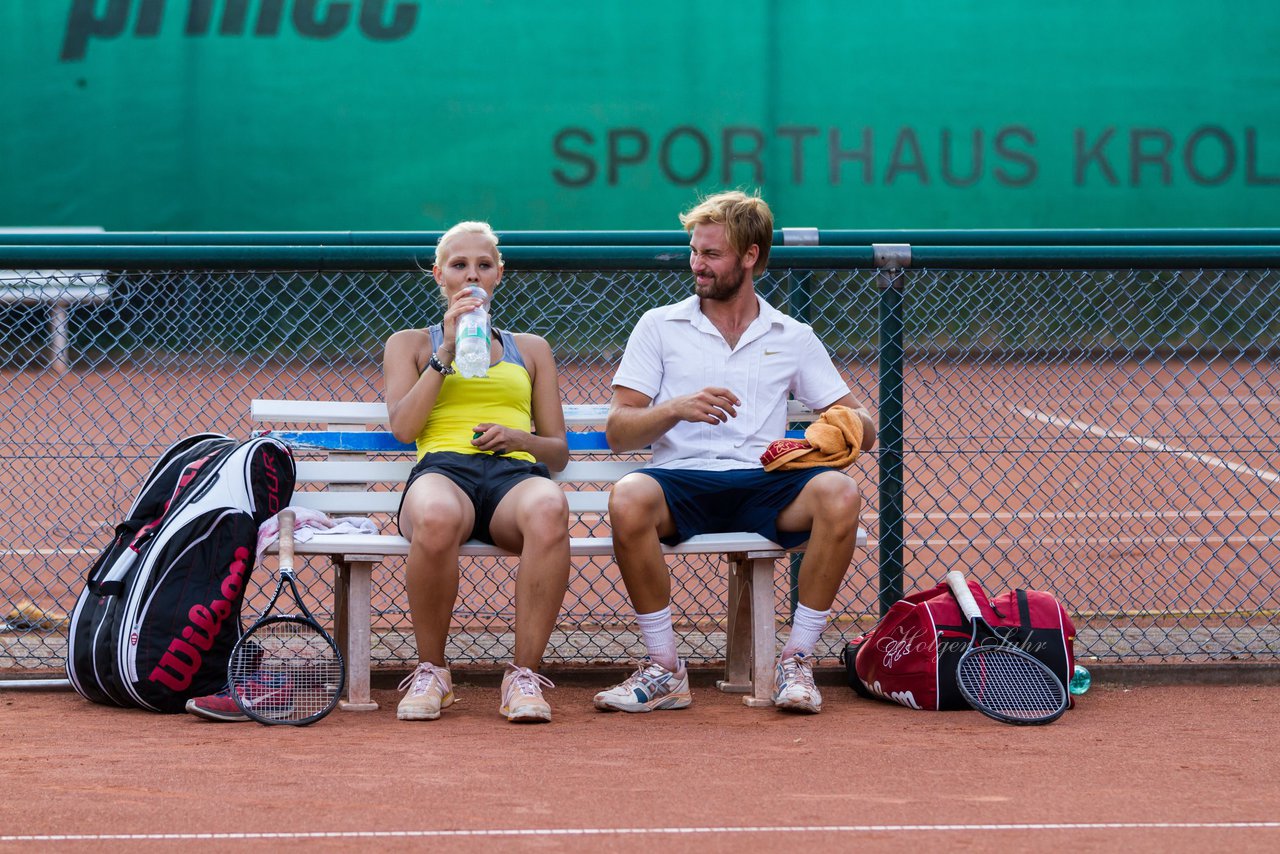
356, 412
343, 439
397, 471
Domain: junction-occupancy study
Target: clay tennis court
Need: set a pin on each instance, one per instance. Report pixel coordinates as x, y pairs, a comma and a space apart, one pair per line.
1139, 767
1136, 765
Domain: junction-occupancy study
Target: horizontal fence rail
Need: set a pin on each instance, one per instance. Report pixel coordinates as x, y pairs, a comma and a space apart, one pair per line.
248, 258
397, 258
1089, 413
781, 237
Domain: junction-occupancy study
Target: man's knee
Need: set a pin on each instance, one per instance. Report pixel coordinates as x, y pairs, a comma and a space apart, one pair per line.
838, 499
635, 503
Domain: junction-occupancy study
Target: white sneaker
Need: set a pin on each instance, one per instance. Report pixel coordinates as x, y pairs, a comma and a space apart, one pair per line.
793, 686
651, 688
522, 700
430, 690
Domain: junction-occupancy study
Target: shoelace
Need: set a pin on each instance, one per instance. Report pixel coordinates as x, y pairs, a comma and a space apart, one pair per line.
528, 682
643, 666
421, 678
796, 673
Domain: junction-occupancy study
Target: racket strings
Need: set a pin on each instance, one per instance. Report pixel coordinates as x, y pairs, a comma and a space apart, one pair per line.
286, 671
1008, 684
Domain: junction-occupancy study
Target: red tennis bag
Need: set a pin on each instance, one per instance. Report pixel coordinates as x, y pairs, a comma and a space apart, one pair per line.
910, 657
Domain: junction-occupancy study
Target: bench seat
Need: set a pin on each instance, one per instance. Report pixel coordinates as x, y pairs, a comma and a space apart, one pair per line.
394, 544
363, 471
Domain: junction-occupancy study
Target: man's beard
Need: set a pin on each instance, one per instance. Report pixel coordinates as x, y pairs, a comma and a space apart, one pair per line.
721, 289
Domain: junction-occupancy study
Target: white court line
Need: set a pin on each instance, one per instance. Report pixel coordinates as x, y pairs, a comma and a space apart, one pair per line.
1203, 399
1199, 400
649, 831
1031, 539
1036, 516
1197, 456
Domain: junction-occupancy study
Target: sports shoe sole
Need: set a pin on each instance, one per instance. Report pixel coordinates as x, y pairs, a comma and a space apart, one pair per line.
218, 717
799, 706
662, 704
527, 714
411, 715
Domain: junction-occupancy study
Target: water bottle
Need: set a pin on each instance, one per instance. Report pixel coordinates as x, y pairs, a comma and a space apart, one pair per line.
471, 354
1080, 680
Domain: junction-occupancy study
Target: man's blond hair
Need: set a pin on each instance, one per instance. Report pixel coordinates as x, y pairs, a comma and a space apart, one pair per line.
746, 220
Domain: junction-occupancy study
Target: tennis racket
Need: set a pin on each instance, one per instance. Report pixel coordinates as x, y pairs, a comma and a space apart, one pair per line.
286, 669
999, 679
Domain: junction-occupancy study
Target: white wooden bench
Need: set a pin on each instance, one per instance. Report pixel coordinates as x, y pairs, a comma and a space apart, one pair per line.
337, 476
58, 289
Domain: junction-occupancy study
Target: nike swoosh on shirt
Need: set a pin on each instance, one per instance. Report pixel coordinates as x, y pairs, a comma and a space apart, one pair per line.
772, 352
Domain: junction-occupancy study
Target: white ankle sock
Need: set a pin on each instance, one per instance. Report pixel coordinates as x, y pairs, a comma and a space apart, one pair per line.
807, 626
659, 637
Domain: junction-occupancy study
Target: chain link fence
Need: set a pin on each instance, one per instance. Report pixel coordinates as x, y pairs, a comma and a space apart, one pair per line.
1109, 436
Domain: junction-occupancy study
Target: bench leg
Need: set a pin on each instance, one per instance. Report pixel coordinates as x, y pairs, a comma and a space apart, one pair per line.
750, 632
737, 648
352, 604
762, 633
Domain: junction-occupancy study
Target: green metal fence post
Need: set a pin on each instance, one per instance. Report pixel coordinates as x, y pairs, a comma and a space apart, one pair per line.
891, 259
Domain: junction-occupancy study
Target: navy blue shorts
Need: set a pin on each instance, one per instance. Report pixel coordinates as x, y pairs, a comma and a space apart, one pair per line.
484, 478
716, 502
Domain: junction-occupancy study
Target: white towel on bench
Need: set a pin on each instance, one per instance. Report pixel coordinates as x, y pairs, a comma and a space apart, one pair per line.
312, 523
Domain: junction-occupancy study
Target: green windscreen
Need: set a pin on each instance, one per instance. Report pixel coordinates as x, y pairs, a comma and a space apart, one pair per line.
378, 114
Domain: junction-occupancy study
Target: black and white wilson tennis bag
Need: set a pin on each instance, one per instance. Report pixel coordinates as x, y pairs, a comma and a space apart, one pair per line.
160, 611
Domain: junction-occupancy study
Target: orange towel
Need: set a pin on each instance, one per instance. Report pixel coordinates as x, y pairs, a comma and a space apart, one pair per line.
834, 441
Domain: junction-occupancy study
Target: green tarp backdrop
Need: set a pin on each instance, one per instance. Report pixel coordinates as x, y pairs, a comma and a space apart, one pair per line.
596, 114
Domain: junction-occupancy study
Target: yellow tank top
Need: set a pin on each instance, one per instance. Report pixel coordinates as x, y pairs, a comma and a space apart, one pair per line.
504, 397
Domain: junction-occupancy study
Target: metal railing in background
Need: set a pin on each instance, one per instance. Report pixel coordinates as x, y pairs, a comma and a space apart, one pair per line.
1217, 237
1091, 413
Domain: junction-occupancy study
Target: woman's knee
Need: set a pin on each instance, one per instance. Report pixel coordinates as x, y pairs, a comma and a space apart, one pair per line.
433, 527
545, 516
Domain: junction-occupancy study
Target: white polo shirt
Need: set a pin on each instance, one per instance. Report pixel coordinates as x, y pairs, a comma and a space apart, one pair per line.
675, 350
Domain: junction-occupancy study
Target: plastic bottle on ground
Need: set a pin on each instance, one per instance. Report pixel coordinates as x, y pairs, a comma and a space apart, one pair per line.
1080, 681
471, 354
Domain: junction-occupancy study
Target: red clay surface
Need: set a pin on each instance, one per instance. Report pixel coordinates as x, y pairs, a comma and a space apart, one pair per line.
1169, 768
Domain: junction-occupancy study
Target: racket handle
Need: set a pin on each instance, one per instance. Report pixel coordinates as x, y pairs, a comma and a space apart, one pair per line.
286, 540
964, 596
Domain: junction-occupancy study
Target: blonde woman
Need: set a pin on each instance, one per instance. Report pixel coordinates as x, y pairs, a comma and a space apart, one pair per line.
486, 448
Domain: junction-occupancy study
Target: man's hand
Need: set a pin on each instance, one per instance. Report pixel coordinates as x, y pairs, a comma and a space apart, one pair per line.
712, 405
633, 423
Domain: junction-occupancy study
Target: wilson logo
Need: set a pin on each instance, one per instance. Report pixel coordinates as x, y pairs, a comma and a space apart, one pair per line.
181, 661
902, 698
